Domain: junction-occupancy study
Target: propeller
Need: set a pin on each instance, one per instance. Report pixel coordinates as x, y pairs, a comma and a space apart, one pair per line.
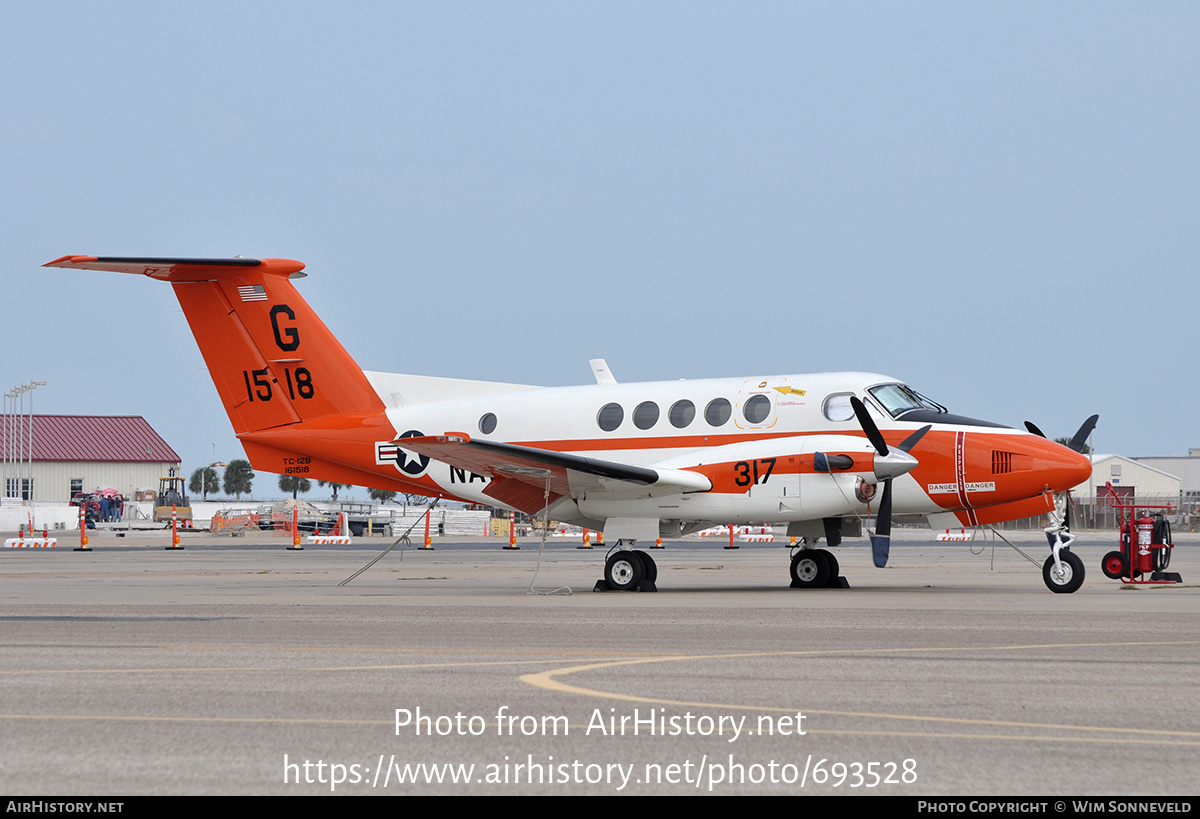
1082, 435
887, 466
1077, 441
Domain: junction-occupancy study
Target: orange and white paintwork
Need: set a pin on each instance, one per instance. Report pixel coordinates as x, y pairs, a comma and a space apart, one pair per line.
301, 406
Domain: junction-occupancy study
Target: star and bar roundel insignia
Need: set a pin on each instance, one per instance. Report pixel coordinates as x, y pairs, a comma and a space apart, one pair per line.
388, 452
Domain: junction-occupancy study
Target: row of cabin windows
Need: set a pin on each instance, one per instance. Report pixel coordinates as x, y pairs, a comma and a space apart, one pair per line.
683, 412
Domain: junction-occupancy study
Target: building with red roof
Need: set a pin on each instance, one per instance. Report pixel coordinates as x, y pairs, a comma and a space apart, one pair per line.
63, 455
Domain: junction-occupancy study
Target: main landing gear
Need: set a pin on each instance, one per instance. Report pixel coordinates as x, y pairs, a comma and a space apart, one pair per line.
628, 570
816, 569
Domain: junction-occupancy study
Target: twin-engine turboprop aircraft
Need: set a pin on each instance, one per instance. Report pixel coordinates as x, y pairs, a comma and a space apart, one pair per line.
636, 461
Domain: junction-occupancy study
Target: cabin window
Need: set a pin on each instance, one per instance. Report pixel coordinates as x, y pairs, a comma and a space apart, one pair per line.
610, 417
645, 415
717, 412
837, 407
682, 413
757, 409
487, 424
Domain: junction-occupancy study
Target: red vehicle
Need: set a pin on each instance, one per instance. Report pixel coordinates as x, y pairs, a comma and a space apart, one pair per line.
88, 499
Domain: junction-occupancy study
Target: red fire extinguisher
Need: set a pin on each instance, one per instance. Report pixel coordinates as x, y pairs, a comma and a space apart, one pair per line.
1142, 557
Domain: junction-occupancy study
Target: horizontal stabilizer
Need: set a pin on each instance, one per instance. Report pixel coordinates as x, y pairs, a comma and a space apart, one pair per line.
180, 270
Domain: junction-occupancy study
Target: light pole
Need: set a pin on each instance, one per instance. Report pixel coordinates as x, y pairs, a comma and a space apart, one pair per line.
14, 440
32, 385
9, 410
18, 445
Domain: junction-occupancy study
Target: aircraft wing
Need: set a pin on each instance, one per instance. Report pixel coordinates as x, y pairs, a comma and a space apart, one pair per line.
520, 474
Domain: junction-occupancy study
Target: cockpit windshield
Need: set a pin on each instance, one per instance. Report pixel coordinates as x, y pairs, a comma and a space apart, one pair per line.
898, 399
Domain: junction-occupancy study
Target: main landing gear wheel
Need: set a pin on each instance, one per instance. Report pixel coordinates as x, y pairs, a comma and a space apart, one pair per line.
1069, 579
810, 569
832, 581
627, 572
1114, 565
649, 565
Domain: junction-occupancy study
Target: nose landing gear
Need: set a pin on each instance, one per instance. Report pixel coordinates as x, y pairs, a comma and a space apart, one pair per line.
1062, 571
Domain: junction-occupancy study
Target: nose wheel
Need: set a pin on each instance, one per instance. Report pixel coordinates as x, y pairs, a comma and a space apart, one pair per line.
1066, 577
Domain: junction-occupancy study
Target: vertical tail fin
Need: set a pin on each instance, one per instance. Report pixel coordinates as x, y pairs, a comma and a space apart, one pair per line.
273, 361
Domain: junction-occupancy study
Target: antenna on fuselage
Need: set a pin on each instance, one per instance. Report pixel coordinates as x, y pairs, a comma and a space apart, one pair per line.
601, 371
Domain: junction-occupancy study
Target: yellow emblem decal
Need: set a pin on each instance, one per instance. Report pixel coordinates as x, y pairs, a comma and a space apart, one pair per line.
789, 390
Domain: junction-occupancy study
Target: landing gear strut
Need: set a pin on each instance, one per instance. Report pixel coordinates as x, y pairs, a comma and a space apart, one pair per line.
628, 570
1062, 571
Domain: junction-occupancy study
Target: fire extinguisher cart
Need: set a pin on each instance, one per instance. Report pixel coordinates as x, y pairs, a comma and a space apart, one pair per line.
1146, 545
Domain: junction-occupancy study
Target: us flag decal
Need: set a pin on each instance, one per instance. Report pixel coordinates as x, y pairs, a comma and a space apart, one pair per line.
252, 292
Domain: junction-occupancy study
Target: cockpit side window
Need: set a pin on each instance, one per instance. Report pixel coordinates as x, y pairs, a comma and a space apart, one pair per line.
900, 398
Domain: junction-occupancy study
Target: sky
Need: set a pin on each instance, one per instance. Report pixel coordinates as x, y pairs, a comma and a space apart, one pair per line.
993, 202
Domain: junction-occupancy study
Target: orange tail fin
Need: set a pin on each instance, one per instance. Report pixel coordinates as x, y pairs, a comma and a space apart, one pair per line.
273, 361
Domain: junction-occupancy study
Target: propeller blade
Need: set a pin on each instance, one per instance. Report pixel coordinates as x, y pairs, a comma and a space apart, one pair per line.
908, 443
1032, 427
868, 425
1083, 433
881, 541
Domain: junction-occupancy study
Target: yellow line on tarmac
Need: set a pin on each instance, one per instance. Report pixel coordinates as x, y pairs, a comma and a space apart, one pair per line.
548, 680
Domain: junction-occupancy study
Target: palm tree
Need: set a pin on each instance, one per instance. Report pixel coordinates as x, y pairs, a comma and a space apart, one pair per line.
290, 483
238, 477
204, 480
381, 495
332, 485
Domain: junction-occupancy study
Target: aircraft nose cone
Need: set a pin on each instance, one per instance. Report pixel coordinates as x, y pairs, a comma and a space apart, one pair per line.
1066, 468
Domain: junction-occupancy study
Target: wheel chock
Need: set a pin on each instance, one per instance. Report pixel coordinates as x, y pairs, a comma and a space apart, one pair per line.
839, 582
644, 586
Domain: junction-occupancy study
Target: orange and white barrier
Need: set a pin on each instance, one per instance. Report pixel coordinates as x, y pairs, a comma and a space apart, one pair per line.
329, 540
960, 535
30, 543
